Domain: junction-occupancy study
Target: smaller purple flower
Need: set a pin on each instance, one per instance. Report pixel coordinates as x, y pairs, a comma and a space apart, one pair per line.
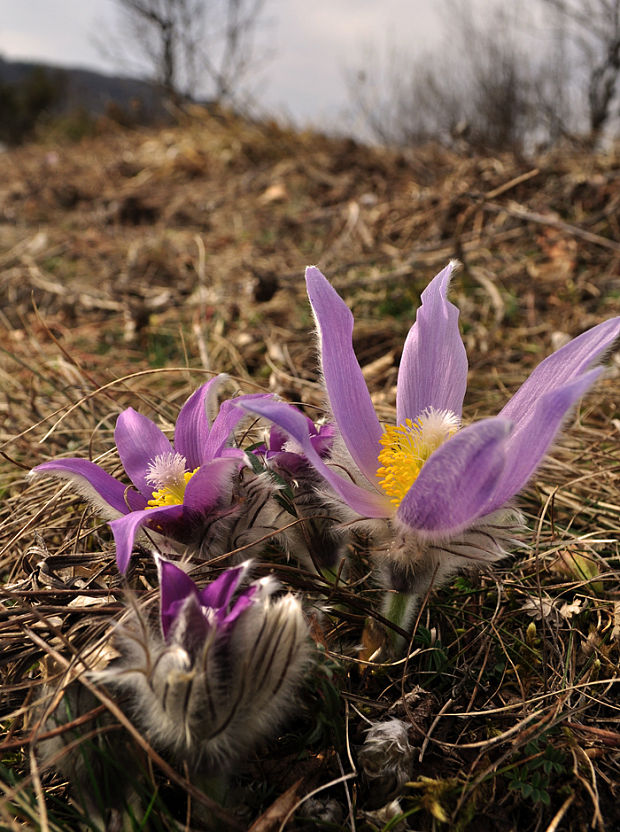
173, 485
220, 672
286, 457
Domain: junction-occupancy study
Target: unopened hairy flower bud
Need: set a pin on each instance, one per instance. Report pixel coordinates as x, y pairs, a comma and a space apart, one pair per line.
220, 673
386, 758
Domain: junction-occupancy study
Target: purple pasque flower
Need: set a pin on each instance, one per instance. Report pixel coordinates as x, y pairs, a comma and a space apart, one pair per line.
173, 484
319, 541
220, 672
286, 457
436, 480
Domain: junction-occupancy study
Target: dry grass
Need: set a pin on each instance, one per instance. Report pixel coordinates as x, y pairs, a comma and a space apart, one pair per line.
136, 264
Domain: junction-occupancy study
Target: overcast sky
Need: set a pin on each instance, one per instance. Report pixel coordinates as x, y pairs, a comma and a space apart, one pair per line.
312, 43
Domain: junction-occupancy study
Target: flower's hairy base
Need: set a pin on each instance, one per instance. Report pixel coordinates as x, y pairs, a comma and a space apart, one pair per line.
318, 541
253, 516
167, 472
414, 565
407, 447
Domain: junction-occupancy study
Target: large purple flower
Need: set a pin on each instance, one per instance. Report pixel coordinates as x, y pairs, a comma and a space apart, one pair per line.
434, 478
221, 673
173, 484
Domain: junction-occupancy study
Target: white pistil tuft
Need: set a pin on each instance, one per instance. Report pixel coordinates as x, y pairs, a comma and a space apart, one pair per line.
436, 426
167, 471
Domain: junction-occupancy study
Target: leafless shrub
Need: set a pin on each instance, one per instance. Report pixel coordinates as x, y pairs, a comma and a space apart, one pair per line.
513, 78
593, 32
478, 85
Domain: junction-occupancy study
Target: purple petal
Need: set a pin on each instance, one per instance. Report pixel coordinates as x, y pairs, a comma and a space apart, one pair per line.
124, 529
287, 462
277, 440
192, 428
219, 592
233, 453
433, 367
212, 402
533, 435
108, 494
239, 607
211, 484
139, 441
348, 395
560, 368
323, 439
189, 626
175, 586
458, 480
366, 503
225, 423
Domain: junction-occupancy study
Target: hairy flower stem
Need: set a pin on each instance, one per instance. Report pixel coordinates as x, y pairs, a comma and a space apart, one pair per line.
215, 786
399, 608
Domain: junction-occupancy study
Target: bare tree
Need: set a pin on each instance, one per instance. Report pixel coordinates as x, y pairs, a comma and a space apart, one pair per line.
237, 56
390, 96
595, 31
189, 47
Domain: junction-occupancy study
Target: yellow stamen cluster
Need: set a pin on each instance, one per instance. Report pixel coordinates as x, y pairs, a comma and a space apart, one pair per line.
407, 447
171, 494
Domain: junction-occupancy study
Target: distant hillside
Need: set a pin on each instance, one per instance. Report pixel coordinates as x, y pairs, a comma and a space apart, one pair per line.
85, 90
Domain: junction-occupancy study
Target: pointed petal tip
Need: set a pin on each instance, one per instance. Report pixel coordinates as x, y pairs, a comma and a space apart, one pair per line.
125, 528
533, 437
346, 388
574, 360
107, 494
174, 582
314, 273
433, 366
441, 281
325, 300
